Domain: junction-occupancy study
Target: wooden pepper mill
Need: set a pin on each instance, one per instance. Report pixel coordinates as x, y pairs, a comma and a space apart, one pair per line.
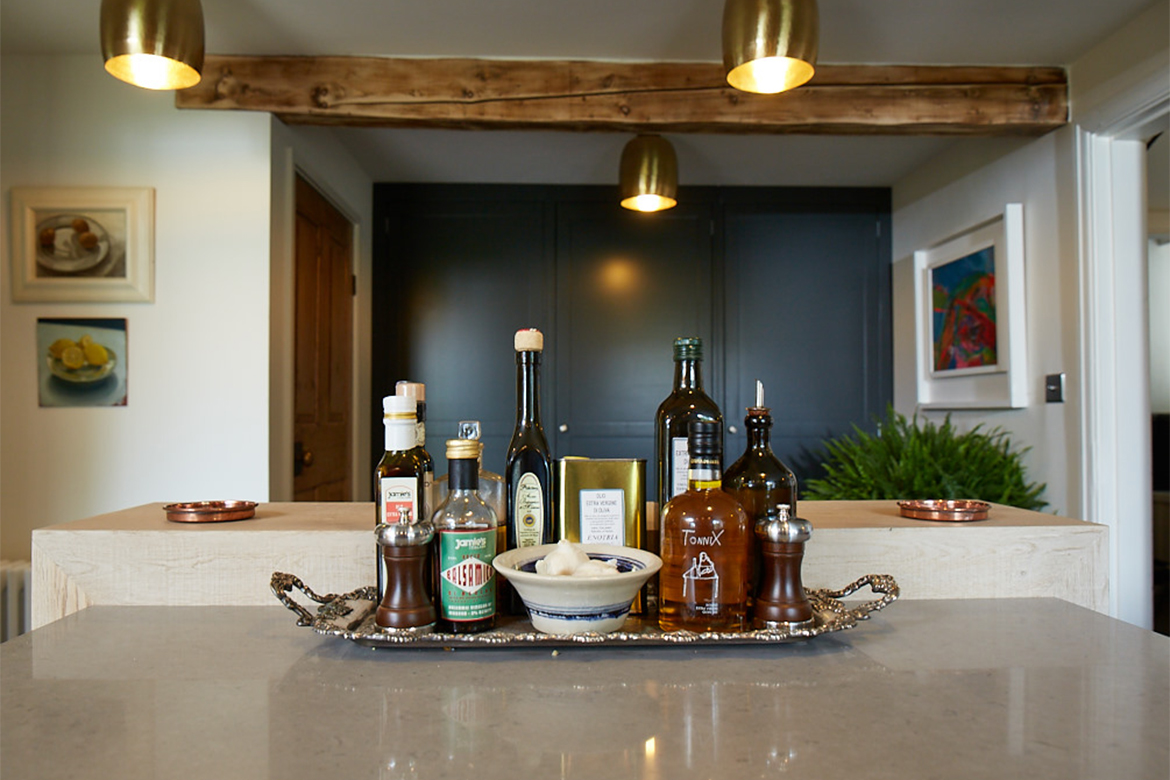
780, 600
405, 548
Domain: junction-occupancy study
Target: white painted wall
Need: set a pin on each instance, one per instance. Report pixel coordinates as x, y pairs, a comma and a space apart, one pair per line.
1079, 234
1030, 175
196, 425
1159, 259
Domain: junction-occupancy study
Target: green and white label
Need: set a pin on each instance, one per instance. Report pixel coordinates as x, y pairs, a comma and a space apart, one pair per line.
529, 511
467, 587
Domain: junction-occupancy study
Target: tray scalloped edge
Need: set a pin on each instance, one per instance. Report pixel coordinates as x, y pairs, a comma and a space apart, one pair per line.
351, 616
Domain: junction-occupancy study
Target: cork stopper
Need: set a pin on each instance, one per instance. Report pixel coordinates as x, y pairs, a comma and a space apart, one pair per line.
463, 449
529, 340
415, 390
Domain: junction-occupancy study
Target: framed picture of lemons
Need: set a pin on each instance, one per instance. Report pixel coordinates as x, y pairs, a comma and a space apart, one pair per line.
81, 362
82, 244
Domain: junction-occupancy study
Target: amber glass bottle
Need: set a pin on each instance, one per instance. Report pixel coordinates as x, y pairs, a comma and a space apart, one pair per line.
759, 481
704, 575
687, 402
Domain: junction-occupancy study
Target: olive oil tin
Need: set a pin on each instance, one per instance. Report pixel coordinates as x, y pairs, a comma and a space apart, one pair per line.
602, 500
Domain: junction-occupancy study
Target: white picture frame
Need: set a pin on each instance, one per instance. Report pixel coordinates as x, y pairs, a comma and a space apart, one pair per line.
82, 244
970, 317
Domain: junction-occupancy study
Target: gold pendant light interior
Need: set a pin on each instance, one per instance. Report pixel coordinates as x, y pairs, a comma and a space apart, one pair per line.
649, 174
769, 46
154, 44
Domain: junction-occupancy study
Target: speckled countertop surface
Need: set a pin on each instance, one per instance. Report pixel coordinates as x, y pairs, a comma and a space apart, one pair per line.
1008, 688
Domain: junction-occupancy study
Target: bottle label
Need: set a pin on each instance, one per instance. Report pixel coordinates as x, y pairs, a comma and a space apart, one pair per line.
529, 511
680, 462
701, 582
603, 516
467, 587
395, 494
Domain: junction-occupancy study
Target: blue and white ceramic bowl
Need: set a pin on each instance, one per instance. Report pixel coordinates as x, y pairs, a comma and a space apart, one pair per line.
578, 605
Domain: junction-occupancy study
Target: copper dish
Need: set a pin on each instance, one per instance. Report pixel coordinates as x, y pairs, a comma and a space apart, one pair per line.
210, 511
955, 511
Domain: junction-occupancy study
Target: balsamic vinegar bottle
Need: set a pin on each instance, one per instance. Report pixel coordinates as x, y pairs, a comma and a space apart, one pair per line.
758, 480
464, 546
400, 479
528, 473
686, 403
704, 577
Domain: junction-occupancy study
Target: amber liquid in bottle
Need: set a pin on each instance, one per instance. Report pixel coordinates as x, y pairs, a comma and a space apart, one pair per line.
686, 403
528, 470
759, 481
704, 577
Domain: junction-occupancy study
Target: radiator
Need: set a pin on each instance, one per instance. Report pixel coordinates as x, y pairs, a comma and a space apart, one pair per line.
15, 598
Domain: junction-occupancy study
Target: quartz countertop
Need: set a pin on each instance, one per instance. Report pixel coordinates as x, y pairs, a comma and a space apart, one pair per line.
995, 688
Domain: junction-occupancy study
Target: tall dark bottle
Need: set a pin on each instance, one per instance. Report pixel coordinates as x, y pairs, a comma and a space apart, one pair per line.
686, 403
759, 481
528, 474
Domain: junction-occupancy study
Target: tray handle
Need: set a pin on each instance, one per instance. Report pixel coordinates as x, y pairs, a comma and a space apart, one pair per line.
882, 584
282, 584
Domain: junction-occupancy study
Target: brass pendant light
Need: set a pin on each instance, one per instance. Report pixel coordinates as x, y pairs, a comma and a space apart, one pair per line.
649, 174
155, 44
769, 46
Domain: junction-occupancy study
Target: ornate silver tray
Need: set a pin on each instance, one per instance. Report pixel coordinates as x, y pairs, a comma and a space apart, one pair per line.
351, 616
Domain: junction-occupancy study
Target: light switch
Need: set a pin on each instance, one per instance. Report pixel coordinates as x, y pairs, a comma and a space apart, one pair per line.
1054, 388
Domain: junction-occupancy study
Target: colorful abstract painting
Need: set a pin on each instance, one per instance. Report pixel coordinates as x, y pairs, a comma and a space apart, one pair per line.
963, 293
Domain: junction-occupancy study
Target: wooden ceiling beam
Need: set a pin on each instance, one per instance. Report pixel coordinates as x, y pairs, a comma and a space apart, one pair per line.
632, 97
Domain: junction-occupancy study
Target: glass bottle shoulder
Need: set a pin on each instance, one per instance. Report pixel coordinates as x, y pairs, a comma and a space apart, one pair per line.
704, 504
466, 510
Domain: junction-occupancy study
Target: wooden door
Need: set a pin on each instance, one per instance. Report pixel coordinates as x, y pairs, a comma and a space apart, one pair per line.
324, 327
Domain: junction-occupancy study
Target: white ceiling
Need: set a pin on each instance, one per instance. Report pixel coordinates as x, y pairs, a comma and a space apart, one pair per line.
980, 32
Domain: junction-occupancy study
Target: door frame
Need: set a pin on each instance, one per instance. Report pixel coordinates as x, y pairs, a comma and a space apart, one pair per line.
1115, 416
282, 333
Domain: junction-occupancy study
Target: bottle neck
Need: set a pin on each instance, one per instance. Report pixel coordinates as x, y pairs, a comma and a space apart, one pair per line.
759, 429
528, 388
688, 374
463, 474
401, 435
705, 472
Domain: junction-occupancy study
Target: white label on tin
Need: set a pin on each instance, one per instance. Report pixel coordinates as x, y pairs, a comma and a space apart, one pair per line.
603, 516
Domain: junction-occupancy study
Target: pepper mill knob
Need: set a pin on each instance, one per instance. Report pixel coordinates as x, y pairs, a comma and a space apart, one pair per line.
405, 547
781, 600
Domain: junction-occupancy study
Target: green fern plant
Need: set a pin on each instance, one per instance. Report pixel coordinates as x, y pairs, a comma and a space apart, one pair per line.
908, 459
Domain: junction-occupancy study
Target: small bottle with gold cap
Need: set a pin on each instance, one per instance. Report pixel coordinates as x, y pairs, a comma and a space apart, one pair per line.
464, 546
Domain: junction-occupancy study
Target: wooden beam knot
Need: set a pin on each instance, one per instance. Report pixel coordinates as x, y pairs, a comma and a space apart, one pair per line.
328, 95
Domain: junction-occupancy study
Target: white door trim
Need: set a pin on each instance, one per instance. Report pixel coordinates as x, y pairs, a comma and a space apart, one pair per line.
1115, 466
